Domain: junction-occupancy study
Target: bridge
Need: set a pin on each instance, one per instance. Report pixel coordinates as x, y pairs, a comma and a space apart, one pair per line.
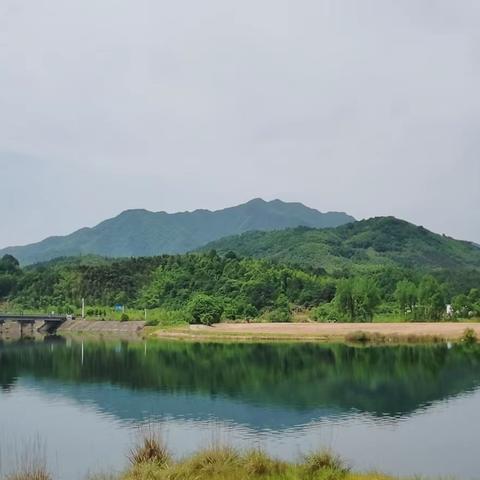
50, 323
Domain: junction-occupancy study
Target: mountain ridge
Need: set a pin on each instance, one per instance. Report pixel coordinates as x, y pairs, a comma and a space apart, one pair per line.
140, 232
375, 241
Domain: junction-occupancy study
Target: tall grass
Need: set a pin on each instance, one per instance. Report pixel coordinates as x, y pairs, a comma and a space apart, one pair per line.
150, 460
223, 462
150, 449
31, 462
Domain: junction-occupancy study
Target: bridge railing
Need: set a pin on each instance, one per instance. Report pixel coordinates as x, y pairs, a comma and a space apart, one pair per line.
30, 318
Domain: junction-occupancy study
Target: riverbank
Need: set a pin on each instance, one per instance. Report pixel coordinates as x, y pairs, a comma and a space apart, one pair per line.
392, 332
377, 332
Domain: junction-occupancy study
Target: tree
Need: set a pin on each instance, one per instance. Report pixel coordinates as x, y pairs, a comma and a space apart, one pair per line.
406, 295
7, 285
474, 296
431, 298
205, 309
461, 305
357, 298
367, 298
282, 311
344, 298
9, 264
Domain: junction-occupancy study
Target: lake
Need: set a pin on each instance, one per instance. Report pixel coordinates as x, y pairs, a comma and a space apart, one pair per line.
402, 410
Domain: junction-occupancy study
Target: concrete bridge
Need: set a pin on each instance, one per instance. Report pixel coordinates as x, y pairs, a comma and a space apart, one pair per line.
49, 323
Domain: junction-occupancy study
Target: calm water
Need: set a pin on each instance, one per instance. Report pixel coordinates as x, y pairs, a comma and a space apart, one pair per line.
402, 410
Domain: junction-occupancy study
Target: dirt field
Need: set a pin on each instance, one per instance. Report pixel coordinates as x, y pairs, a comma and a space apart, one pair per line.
323, 331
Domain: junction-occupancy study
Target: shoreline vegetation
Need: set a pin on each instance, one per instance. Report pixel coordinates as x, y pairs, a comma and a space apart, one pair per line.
151, 459
208, 288
225, 296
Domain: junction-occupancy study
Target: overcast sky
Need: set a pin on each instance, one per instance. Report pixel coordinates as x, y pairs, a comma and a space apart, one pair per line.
368, 107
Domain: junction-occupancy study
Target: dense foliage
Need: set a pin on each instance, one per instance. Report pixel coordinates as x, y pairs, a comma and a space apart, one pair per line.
382, 241
208, 287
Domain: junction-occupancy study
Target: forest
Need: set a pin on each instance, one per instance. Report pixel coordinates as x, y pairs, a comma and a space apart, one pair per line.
209, 287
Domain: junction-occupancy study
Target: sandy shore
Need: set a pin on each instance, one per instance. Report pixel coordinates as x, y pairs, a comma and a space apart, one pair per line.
323, 331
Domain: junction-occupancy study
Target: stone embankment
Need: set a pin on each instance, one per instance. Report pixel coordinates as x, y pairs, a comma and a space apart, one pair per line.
107, 327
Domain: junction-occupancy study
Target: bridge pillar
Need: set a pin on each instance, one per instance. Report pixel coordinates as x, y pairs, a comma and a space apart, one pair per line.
29, 323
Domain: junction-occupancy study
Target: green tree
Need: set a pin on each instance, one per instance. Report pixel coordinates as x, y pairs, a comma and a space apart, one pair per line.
357, 298
282, 311
205, 309
406, 295
7, 285
431, 298
9, 264
461, 305
345, 299
367, 298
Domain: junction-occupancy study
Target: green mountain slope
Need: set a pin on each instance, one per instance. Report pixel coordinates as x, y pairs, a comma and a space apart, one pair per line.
144, 233
377, 241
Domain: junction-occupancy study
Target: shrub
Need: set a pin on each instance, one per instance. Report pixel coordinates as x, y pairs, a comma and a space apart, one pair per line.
469, 336
326, 313
124, 317
282, 311
357, 337
279, 315
152, 322
205, 309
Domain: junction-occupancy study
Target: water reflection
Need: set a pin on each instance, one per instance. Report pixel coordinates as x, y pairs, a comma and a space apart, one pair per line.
300, 378
361, 401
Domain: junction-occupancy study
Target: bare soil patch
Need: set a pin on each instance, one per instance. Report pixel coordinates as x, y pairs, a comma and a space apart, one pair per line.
325, 331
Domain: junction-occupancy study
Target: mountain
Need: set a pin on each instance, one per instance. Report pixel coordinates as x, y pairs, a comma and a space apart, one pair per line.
376, 241
145, 233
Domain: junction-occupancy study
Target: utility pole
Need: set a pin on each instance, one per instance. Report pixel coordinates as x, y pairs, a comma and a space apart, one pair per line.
145, 314
83, 308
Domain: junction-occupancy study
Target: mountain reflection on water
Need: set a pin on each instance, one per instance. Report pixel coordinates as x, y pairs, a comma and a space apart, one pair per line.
264, 385
375, 406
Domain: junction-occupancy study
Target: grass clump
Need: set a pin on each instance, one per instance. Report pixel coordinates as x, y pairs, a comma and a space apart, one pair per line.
257, 463
220, 462
150, 450
214, 462
324, 462
31, 462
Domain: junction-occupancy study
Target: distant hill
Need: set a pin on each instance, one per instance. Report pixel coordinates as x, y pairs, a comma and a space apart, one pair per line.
145, 233
376, 241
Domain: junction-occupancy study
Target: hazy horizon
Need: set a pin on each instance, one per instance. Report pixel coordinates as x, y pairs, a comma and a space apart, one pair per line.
369, 109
